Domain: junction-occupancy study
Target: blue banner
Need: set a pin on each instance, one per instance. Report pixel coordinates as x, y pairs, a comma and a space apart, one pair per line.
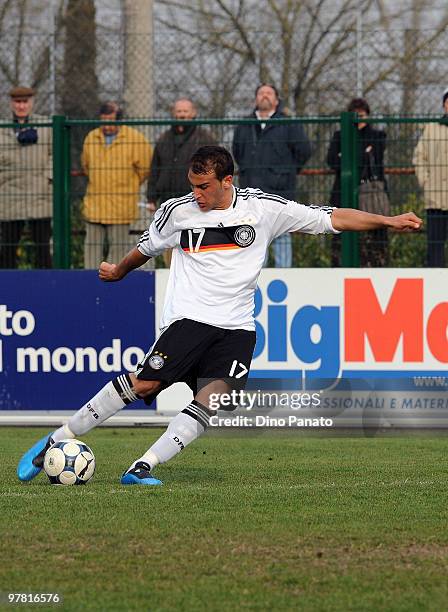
64, 334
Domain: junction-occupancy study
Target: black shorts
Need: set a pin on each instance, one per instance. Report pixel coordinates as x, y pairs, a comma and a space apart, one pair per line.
197, 353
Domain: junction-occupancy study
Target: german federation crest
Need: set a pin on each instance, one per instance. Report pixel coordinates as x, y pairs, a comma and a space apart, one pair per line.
156, 362
244, 235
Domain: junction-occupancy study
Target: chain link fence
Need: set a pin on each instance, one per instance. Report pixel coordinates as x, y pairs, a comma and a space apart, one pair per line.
114, 178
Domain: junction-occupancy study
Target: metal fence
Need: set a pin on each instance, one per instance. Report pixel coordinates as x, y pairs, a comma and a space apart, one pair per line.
51, 190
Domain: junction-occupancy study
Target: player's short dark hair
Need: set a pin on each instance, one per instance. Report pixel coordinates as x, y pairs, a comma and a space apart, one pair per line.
212, 158
358, 104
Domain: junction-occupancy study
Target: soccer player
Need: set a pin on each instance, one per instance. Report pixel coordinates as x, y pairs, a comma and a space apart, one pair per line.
219, 235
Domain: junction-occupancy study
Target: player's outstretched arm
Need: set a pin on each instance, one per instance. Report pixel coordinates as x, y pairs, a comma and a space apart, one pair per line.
110, 272
358, 220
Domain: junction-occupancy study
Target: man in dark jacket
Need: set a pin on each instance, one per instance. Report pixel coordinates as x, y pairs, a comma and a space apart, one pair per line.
371, 146
172, 153
270, 156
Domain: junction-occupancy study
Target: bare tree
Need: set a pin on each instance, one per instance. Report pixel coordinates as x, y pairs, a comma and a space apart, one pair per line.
139, 82
299, 45
307, 47
79, 83
25, 47
403, 55
55, 47
216, 51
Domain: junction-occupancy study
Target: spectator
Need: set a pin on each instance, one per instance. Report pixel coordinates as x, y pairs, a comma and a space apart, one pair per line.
116, 160
431, 169
26, 168
270, 156
172, 153
371, 146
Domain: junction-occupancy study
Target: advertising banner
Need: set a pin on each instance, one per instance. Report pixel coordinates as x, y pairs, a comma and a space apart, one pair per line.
64, 334
355, 343
367, 324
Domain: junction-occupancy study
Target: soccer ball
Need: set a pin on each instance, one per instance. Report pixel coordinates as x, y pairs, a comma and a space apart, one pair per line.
69, 462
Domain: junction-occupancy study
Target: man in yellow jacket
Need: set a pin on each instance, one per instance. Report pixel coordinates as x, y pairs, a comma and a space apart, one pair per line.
116, 159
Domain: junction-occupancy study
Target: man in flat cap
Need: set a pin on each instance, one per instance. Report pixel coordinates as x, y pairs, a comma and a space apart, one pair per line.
19, 93
25, 182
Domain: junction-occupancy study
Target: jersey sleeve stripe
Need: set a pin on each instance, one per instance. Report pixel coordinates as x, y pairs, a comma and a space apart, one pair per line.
162, 225
325, 208
143, 237
274, 198
160, 222
167, 208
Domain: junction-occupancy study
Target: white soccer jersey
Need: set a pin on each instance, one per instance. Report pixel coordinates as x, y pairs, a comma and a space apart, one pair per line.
218, 254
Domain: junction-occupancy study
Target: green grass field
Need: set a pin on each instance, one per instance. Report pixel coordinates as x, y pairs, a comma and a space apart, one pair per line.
261, 521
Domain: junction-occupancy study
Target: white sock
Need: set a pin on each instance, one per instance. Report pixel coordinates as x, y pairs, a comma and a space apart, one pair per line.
63, 433
109, 400
186, 427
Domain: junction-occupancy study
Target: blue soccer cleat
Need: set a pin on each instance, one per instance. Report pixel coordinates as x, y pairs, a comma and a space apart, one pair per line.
33, 460
140, 474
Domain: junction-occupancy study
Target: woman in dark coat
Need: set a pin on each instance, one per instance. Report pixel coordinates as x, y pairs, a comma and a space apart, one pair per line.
372, 143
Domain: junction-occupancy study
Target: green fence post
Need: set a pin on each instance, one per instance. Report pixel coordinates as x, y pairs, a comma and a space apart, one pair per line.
349, 185
61, 189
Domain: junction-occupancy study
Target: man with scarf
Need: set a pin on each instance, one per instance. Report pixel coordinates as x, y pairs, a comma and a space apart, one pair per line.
270, 156
26, 169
